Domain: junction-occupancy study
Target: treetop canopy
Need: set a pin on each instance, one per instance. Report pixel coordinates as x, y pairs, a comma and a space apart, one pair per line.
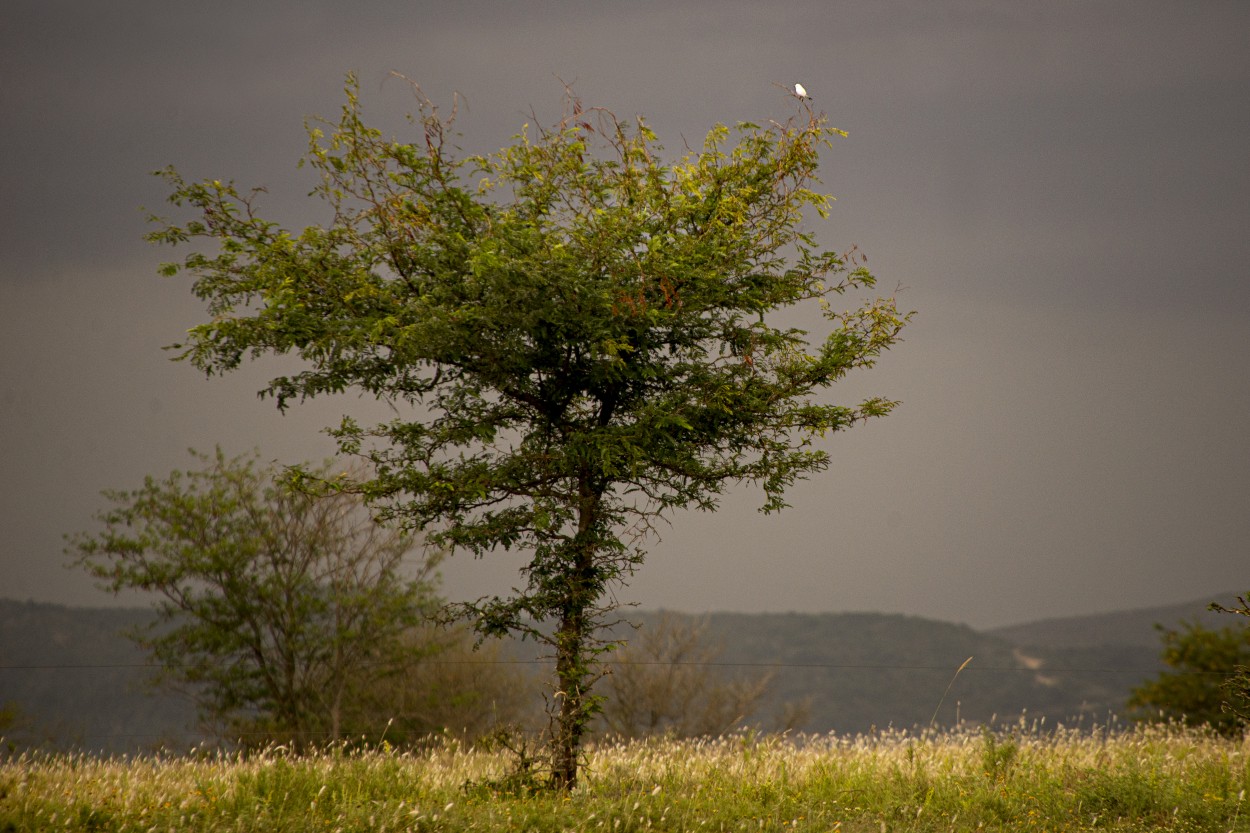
571, 285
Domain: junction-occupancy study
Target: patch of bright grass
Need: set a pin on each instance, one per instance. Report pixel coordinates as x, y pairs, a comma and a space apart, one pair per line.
1145, 779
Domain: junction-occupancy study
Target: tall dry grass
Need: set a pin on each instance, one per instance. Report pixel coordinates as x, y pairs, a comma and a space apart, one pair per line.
1022, 778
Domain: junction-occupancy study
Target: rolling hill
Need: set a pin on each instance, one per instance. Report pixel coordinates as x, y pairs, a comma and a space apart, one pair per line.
76, 681
1126, 627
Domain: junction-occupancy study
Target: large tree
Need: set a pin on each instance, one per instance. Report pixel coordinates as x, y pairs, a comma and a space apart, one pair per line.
276, 607
576, 336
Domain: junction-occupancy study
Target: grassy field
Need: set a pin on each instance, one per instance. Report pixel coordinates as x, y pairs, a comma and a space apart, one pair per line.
1147, 779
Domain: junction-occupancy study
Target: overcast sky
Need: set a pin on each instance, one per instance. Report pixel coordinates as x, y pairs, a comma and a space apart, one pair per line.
1062, 189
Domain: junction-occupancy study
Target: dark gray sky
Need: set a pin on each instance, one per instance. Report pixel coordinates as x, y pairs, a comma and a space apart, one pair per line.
1063, 189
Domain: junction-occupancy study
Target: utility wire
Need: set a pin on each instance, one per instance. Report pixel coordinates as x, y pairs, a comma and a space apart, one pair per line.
1043, 669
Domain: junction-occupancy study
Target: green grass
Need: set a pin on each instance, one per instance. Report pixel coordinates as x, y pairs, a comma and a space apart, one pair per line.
1147, 779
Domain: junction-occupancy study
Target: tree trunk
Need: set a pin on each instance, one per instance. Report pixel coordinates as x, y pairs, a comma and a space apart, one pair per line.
571, 673
572, 667
336, 714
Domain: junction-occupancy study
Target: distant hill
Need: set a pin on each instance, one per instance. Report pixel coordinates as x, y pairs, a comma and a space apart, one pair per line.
864, 670
79, 682
1128, 627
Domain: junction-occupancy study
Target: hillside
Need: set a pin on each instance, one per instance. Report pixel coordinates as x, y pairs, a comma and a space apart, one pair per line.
77, 680
864, 670
1127, 628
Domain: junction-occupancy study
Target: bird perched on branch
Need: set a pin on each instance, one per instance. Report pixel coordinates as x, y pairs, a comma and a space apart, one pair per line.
801, 93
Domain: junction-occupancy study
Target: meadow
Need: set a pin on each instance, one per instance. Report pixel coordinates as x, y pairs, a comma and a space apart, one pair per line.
1019, 778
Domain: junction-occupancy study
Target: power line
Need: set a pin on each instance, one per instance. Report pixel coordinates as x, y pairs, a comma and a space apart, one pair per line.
973, 668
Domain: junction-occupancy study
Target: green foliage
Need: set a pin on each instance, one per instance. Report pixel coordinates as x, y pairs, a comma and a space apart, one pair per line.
274, 604
999, 754
455, 689
1194, 693
1237, 687
577, 339
440, 685
10, 716
11, 724
525, 774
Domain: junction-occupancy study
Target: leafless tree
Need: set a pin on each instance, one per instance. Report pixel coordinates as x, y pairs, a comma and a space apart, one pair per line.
667, 681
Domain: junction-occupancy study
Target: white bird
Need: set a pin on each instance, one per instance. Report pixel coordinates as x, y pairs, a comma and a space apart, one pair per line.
800, 92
